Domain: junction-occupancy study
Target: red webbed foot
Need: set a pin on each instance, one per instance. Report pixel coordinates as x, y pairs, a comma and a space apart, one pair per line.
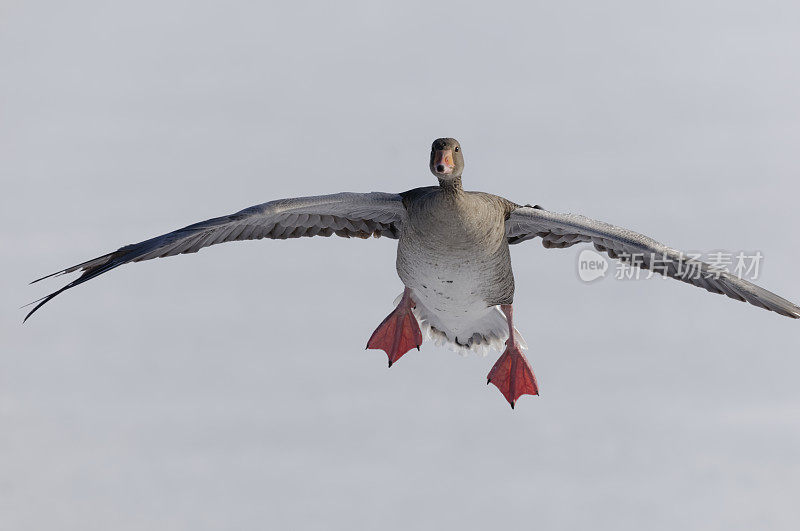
512, 374
399, 332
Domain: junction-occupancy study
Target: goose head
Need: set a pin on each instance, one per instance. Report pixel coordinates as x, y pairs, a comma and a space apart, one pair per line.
447, 161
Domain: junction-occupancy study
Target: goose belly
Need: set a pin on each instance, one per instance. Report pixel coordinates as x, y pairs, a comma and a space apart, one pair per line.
455, 291
457, 294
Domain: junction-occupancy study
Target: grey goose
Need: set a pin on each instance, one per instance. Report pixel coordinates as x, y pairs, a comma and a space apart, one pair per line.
452, 257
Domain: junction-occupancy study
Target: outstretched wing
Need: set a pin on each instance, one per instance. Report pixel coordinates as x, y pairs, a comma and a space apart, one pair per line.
345, 214
564, 230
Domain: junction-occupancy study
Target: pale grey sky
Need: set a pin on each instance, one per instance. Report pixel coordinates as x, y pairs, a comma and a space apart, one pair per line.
230, 389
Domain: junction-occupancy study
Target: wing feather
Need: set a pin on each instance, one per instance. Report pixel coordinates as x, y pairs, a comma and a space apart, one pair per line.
564, 230
345, 214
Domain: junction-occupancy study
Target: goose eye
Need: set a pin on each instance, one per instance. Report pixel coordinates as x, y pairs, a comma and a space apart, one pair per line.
458, 149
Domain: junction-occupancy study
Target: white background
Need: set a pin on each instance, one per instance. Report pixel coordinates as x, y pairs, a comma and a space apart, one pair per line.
230, 389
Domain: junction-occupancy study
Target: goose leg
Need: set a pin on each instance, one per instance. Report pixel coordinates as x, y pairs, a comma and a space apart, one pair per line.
399, 332
512, 374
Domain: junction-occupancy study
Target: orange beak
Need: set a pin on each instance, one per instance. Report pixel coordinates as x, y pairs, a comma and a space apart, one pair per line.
443, 161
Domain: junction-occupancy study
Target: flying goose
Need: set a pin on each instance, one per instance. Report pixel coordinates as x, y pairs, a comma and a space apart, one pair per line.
452, 256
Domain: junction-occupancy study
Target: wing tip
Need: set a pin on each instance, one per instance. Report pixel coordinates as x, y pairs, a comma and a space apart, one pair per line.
41, 302
51, 275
